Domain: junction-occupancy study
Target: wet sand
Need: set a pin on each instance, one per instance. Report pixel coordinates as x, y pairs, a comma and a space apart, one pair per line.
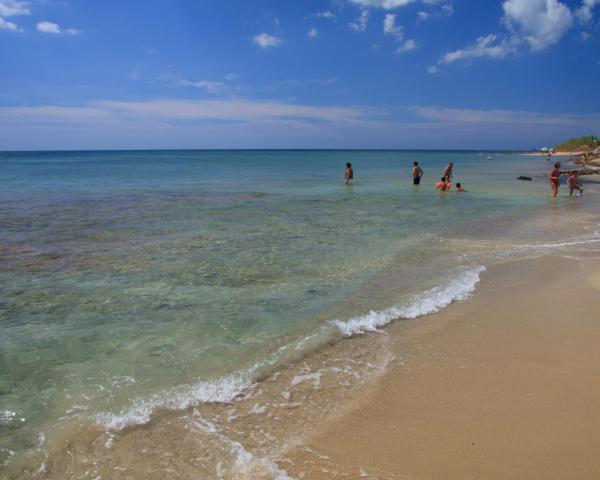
504, 386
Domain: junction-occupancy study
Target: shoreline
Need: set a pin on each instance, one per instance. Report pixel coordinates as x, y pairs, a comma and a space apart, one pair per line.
502, 386
283, 404
304, 436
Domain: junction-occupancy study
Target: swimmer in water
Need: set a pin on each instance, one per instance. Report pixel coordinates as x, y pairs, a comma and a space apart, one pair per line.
417, 173
442, 185
349, 175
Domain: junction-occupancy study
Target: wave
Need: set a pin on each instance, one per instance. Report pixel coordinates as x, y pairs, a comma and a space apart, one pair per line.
226, 388
428, 302
221, 390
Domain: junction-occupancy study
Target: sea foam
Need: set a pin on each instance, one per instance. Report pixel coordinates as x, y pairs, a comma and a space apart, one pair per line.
226, 388
223, 389
428, 302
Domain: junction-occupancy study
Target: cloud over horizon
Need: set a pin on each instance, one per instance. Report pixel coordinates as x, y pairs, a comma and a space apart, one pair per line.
289, 124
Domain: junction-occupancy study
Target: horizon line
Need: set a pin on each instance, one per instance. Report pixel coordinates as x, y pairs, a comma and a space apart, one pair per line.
78, 150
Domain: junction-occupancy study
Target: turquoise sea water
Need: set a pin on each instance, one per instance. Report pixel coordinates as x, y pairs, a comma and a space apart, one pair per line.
134, 281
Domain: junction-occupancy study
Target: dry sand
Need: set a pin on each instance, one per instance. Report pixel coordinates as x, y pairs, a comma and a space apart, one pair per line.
504, 386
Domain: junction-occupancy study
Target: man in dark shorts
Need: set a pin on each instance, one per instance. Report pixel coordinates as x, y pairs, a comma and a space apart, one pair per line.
417, 173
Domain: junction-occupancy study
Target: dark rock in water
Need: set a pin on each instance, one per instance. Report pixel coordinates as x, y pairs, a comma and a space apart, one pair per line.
527, 179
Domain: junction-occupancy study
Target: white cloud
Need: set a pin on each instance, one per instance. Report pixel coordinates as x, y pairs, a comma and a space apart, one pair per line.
210, 87
585, 12
10, 26
230, 77
385, 4
54, 28
407, 46
9, 8
48, 27
513, 117
360, 24
390, 27
238, 110
540, 22
433, 69
264, 40
448, 9
312, 33
489, 46
320, 82
328, 14
276, 124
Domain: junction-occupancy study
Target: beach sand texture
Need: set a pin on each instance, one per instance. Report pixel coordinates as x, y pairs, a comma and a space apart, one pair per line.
504, 386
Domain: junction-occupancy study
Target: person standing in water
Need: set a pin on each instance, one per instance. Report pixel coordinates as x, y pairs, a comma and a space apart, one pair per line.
449, 172
417, 173
555, 179
573, 184
349, 175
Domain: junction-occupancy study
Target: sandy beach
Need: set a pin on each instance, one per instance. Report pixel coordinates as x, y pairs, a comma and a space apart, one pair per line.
503, 386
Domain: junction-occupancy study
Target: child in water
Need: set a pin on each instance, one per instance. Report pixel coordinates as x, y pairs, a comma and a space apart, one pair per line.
443, 185
349, 175
459, 187
573, 184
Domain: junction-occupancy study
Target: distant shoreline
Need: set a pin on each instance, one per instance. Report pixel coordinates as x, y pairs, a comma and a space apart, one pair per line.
141, 150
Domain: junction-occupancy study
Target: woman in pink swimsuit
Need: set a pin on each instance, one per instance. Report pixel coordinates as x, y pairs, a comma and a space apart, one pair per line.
555, 179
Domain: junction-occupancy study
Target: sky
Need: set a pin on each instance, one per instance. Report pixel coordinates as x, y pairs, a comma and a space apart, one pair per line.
435, 74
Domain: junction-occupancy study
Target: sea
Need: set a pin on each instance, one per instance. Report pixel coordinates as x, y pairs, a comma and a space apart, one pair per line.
192, 314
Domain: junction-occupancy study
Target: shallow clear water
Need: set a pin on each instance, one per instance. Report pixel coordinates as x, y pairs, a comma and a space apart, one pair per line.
131, 281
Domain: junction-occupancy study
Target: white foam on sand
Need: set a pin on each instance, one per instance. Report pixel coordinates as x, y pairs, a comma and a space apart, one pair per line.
222, 390
243, 464
426, 303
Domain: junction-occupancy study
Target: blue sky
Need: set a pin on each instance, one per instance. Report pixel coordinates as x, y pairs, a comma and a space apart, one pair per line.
297, 73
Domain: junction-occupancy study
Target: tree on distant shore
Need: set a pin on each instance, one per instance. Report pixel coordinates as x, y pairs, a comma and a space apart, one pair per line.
578, 144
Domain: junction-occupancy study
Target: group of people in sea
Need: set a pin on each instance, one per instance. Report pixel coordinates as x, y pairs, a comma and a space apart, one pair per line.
444, 185
572, 181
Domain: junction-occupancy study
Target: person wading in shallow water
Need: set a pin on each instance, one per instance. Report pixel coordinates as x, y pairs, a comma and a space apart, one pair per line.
417, 173
349, 175
449, 172
573, 184
555, 179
